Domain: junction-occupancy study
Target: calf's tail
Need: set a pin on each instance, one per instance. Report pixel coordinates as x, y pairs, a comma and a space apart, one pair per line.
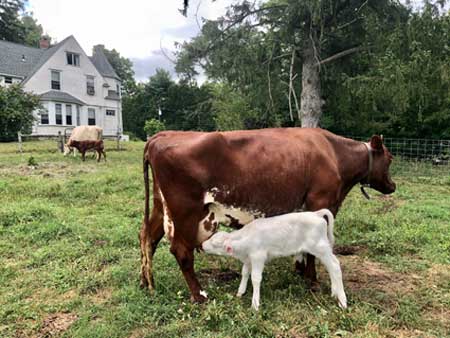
325, 213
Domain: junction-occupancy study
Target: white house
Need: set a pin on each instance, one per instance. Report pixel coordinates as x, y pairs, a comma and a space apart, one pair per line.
75, 89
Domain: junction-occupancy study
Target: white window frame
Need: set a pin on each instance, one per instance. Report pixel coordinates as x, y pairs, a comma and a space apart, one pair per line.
56, 114
110, 110
74, 57
67, 114
51, 79
92, 110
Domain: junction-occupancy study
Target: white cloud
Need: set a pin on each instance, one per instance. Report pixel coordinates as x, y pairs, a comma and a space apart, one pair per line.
136, 28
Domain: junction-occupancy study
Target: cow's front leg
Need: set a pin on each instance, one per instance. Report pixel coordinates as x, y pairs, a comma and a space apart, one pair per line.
185, 259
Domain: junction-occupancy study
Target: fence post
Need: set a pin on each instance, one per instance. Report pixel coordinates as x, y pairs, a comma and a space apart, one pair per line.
19, 138
60, 142
118, 140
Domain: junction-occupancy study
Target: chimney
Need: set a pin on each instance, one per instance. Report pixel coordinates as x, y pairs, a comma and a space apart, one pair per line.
44, 42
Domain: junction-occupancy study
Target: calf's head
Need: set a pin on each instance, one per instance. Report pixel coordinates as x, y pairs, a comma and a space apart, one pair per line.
217, 244
379, 177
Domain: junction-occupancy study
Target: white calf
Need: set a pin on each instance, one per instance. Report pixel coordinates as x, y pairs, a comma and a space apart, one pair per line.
285, 235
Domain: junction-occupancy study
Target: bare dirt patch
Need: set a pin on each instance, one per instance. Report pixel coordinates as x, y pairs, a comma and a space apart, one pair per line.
57, 323
219, 275
48, 170
361, 273
102, 296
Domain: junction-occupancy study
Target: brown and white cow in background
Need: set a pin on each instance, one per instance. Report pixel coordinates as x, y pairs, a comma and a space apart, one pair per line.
82, 133
203, 179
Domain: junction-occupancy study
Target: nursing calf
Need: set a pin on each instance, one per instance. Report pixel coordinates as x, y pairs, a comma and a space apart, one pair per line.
83, 146
279, 236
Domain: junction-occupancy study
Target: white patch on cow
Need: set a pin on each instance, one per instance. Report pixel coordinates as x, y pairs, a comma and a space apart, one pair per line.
207, 226
223, 214
169, 228
204, 294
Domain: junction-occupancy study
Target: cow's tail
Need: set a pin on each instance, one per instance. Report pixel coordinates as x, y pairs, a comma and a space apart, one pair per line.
325, 213
146, 185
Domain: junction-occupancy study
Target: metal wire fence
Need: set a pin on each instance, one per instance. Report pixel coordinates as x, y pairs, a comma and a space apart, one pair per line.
417, 156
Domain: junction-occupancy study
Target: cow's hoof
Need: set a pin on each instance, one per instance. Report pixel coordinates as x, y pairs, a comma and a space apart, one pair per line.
198, 299
314, 286
300, 268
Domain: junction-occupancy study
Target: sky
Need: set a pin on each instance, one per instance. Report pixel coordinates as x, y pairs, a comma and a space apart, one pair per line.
137, 29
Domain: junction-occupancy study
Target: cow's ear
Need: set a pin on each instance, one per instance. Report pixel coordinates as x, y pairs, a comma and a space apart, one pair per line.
376, 142
229, 249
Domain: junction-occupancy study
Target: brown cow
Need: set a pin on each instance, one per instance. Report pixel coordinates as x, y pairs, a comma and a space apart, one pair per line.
201, 179
83, 146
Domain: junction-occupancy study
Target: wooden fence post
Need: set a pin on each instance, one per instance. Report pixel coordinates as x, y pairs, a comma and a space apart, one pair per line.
118, 140
60, 142
19, 138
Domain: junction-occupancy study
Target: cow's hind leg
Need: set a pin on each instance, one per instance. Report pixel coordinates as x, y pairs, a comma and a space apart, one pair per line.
151, 233
185, 259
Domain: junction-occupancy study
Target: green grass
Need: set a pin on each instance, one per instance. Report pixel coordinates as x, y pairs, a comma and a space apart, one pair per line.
70, 261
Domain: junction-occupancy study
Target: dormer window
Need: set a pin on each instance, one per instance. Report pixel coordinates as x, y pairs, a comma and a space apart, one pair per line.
73, 59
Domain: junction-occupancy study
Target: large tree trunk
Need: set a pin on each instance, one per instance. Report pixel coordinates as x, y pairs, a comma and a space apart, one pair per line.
311, 101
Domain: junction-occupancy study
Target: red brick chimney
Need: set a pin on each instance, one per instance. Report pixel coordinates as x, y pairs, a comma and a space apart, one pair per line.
44, 42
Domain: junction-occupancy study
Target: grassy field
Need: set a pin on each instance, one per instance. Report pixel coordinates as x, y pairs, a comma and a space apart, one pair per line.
70, 261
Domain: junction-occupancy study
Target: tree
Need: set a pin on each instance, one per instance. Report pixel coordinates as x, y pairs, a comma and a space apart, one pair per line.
11, 28
16, 111
32, 30
284, 43
402, 88
183, 105
123, 67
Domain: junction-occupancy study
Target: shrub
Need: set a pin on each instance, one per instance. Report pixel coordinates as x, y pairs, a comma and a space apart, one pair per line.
16, 111
153, 126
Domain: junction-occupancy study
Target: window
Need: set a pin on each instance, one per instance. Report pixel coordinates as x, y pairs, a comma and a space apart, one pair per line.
90, 85
78, 115
110, 112
73, 59
58, 113
91, 116
69, 114
118, 89
44, 117
56, 80
8, 79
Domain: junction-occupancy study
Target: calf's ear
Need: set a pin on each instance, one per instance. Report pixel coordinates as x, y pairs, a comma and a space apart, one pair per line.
376, 142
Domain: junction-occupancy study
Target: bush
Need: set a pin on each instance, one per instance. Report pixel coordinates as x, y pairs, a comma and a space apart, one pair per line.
16, 111
153, 126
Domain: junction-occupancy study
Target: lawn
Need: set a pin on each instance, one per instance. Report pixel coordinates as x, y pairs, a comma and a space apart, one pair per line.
70, 261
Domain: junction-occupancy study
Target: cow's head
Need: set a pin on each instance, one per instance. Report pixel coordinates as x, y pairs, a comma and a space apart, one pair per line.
217, 244
379, 177
67, 149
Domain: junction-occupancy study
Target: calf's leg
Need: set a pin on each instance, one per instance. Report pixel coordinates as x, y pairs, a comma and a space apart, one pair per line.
333, 267
257, 266
244, 281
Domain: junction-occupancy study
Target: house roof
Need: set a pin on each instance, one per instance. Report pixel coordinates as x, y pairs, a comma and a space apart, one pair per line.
23, 61
18, 60
59, 96
102, 64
